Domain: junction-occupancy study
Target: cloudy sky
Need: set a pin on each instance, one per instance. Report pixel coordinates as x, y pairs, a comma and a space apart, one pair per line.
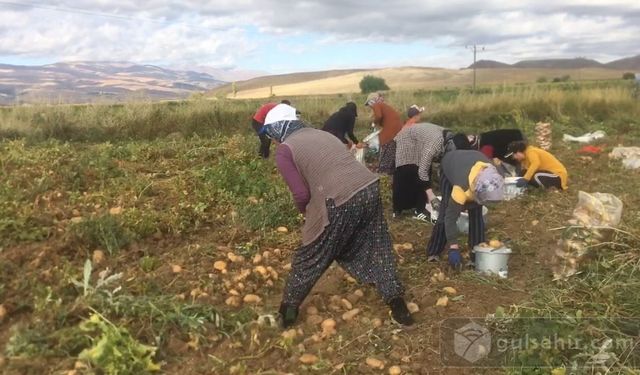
282, 36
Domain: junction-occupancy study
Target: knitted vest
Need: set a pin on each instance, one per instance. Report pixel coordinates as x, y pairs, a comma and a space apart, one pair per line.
330, 171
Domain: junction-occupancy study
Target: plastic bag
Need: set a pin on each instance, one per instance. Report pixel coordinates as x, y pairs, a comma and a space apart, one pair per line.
373, 141
358, 153
598, 209
630, 156
586, 138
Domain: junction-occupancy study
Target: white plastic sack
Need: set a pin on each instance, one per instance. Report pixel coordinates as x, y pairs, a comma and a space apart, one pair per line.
630, 156
585, 138
373, 141
598, 209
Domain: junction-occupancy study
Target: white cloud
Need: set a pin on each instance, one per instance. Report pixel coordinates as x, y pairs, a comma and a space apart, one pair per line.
215, 32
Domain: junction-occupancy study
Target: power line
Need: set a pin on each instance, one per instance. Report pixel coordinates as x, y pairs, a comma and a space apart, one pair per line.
474, 48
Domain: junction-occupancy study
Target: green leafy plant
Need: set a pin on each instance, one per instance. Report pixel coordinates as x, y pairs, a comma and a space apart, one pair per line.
104, 232
113, 349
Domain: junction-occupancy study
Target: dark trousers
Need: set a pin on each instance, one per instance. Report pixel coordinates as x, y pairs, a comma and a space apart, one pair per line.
546, 180
265, 142
438, 239
409, 191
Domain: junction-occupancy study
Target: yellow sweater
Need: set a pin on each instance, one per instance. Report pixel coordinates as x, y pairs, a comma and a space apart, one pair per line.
538, 160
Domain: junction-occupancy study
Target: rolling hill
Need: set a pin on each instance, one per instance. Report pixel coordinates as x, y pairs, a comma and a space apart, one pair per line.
631, 63
489, 72
82, 82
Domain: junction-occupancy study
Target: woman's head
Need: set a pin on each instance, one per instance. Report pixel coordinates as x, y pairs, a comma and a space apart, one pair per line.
461, 142
351, 107
489, 186
280, 122
414, 111
373, 98
516, 150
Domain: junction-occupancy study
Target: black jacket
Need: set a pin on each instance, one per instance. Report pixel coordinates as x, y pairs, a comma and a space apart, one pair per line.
342, 122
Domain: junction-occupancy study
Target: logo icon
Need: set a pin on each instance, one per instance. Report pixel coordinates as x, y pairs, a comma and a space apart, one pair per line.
472, 342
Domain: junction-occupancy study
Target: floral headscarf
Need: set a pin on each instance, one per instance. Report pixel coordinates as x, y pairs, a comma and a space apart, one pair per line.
489, 185
280, 130
373, 98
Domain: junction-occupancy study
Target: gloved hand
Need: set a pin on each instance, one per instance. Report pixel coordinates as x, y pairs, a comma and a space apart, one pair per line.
522, 182
454, 258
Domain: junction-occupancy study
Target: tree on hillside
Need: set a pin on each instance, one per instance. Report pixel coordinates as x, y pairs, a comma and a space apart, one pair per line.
629, 75
371, 83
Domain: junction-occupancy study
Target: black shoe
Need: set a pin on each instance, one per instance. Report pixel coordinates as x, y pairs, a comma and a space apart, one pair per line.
424, 216
289, 315
400, 313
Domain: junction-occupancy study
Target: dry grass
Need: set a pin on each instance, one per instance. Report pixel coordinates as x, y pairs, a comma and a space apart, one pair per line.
408, 78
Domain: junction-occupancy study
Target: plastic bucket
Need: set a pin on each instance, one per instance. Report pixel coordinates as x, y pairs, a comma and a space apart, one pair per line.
463, 220
492, 261
511, 191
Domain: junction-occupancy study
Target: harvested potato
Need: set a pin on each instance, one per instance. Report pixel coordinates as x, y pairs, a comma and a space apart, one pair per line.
374, 363
395, 370
495, 244
262, 271
287, 267
413, 307
235, 258
407, 246
282, 230
349, 315
115, 210
252, 298
176, 268
257, 259
347, 305
289, 334
308, 359
377, 322
328, 325
442, 301
98, 256
233, 301
220, 265
272, 273
449, 290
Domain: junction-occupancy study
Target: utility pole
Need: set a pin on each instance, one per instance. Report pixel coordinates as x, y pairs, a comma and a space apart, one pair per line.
474, 48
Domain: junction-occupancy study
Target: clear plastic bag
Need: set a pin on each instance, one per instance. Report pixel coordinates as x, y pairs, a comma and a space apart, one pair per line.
358, 153
373, 141
598, 209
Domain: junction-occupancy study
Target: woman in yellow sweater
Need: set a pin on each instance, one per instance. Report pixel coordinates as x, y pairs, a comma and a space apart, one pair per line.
540, 168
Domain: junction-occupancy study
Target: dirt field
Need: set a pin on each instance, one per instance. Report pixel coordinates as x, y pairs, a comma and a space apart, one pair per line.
162, 212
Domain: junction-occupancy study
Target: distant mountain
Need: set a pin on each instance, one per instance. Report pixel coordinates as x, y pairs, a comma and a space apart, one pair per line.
630, 63
91, 81
489, 64
577, 63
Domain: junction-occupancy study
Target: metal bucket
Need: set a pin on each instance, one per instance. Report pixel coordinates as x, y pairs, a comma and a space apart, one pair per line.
492, 261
